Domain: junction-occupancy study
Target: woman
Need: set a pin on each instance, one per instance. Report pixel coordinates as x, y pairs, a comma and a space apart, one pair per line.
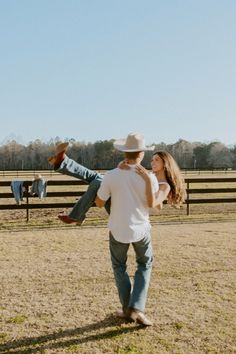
170, 180
63, 164
171, 185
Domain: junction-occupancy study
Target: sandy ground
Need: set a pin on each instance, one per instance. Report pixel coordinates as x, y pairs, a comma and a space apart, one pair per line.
58, 293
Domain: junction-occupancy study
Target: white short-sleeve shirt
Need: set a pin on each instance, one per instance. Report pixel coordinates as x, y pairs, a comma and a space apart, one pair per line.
129, 216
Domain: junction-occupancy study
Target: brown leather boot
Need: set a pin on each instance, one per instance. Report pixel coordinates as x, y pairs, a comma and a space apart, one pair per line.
60, 154
67, 220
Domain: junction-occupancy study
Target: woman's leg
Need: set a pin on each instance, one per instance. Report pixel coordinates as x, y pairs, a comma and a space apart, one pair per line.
87, 200
80, 209
63, 164
72, 168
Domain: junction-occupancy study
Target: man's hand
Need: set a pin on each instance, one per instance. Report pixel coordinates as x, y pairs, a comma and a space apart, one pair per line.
99, 202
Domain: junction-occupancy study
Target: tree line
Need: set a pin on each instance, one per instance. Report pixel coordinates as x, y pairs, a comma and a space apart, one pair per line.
102, 155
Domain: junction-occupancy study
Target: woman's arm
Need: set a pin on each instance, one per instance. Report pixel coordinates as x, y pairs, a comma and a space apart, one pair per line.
147, 178
157, 199
161, 195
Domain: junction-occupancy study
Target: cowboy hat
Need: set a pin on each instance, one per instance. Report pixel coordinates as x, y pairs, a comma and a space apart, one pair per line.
37, 176
134, 142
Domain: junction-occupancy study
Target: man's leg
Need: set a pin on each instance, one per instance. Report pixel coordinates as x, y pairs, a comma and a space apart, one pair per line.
144, 258
118, 253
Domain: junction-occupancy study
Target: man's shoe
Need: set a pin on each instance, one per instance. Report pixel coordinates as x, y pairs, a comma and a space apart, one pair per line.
124, 315
120, 314
140, 318
67, 220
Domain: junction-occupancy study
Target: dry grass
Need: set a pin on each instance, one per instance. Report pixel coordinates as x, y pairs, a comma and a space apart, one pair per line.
58, 292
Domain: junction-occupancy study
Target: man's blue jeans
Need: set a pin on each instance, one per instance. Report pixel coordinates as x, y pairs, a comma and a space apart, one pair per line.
132, 297
72, 168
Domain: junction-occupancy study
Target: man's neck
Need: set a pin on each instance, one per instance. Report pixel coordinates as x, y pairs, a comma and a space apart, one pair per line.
134, 162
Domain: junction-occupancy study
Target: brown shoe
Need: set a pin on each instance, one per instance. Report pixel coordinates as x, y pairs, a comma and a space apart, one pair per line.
67, 220
120, 314
60, 154
52, 160
140, 318
124, 315
61, 148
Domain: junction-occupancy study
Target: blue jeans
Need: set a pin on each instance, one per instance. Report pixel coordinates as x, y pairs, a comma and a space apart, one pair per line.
72, 168
132, 297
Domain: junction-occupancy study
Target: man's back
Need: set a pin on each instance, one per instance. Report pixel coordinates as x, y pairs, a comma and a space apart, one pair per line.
129, 217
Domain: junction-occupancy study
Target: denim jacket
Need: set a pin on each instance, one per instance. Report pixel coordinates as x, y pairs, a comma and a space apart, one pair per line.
39, 187
18, 188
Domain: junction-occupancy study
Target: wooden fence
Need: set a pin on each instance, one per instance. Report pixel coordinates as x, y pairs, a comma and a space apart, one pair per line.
51, 173
206, 191
190, 182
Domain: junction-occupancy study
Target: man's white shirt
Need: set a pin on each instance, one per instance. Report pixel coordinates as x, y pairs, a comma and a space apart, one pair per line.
129, 216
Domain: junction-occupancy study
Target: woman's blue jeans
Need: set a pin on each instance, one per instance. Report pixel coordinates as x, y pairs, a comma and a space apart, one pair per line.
72, 168
132, 297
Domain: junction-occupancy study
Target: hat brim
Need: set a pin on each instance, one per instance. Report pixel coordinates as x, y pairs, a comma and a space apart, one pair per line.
120, 145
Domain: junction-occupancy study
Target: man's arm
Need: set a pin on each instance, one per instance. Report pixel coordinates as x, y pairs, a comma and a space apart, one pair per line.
99, 202
103, 193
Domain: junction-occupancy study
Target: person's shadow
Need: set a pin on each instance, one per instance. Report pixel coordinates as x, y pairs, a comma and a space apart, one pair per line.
27, 345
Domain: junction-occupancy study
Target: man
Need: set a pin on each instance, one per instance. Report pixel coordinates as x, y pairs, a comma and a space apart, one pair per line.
129, 224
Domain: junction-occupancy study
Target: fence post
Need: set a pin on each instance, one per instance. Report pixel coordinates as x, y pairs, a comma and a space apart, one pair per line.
27, 203
188, 205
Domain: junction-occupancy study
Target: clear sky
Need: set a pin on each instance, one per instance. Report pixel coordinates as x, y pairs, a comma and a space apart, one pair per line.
99, 69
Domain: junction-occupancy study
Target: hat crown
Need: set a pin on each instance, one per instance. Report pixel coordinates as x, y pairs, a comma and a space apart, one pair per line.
135, 141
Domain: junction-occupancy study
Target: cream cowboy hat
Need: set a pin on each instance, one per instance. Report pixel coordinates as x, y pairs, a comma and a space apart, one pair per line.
38, 177
134, 142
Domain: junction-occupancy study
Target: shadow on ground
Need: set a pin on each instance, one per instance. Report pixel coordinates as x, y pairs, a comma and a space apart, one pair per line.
63, 339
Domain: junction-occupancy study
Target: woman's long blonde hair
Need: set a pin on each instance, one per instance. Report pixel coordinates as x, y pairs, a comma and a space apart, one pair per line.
177, 194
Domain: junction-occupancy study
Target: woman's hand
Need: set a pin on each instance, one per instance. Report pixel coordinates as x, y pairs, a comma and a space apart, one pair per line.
123, 165
142, 172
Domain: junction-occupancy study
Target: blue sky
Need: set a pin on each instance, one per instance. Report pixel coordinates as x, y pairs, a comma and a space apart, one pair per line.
99, 69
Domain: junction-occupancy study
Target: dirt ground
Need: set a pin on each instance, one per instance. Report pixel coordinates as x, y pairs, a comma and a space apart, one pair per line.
58, 293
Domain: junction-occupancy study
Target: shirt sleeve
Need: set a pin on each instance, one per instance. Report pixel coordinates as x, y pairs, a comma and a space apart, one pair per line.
155, 185
104, 191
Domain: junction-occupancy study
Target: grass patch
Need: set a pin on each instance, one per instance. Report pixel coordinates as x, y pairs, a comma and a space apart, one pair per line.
19, 319
129, 349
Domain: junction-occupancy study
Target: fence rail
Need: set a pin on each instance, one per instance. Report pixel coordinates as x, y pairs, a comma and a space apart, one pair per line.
206, 191
202, 191
52, 173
